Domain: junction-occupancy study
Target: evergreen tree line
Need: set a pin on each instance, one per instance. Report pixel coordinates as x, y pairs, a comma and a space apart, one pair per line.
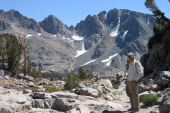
73, 79
10, 56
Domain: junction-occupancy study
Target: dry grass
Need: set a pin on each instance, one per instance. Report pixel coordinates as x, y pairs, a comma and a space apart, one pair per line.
30, 88
49, 88
56, 82
8, 82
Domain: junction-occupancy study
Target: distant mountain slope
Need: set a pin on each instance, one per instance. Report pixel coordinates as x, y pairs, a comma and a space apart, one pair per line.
99, 43
111, 36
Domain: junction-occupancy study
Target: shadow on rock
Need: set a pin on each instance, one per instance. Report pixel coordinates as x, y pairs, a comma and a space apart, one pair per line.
106, 111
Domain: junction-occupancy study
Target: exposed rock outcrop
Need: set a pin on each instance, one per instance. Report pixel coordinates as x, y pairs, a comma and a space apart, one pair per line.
158, 58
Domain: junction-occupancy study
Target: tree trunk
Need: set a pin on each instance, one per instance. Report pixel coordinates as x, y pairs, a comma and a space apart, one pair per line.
25, 61
24, 45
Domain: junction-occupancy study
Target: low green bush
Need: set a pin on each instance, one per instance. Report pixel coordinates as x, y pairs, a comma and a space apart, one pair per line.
114, 93
50, 89
115, 86
100, 93
150, 100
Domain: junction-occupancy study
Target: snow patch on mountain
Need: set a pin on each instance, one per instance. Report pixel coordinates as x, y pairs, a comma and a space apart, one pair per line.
28, 35
108, 60
106, 16
39, 34
81, 52
124, 35
89, 62
148, 21
76, 37
116, 32
68, 39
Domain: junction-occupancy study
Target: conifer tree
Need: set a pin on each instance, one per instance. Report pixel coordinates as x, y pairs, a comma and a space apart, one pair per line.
10, 52
72, 81
82, 74
33, 72
162, 24
89, 75
2, 51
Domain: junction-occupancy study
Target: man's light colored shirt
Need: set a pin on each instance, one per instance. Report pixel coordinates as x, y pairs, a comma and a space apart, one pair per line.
134, 72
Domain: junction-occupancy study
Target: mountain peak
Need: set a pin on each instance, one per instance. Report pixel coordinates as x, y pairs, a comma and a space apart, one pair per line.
107, 38
52, 18
53, 25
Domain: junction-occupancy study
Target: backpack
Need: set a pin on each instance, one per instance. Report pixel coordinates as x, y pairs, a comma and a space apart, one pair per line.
141, 67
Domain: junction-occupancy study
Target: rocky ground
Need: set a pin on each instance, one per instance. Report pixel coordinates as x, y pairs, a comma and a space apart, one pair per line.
124, 101
120, 102
24, 94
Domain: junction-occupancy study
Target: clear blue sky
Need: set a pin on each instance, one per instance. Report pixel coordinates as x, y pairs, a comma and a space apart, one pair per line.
71, 12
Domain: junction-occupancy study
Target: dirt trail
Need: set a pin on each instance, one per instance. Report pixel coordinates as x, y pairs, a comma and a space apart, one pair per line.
123, 99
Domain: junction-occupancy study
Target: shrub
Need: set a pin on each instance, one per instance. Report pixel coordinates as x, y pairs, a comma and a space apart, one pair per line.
115, 85
50, 89
72, 81
150, 100
85, 75
100, 93
114, 93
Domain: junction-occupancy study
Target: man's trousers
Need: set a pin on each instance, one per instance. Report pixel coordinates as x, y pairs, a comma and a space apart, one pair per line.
132, 93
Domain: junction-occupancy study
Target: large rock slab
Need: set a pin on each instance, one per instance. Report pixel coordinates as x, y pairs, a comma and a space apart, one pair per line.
165, 104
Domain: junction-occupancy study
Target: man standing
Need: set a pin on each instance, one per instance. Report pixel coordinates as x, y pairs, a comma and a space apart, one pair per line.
135, 71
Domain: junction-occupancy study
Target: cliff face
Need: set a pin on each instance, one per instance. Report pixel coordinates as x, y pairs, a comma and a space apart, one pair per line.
158, 57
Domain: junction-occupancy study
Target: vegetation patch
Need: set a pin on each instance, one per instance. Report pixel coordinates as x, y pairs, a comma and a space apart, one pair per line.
100, 93
115, 85
50, 89
30, 88
73, 80
150, 100
8, 82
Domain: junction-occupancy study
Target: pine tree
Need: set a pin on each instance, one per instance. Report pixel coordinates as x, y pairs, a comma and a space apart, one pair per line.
72, 81
162, 24
2, 51
10, 52
14, 53
89, 75
82, 74
34, 72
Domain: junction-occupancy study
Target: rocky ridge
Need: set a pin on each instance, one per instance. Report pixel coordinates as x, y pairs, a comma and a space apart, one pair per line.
99, 43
